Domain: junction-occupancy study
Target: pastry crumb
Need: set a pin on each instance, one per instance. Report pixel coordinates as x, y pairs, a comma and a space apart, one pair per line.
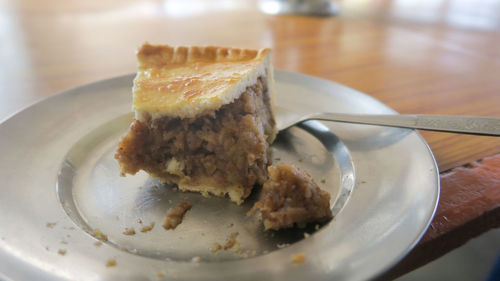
323, 181
61, 252
50, 224
237, 247
196, 259
111, 262
160, 275
363, 181
148, 227
100, 236
139, 221
129, 231
175, 215
98, 244
231, 240
216, 247
298, 258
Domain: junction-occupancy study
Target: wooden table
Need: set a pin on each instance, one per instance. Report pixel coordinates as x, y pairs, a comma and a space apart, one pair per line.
434, 57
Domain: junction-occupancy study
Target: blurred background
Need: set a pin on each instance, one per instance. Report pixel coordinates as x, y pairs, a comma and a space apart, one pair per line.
417, 56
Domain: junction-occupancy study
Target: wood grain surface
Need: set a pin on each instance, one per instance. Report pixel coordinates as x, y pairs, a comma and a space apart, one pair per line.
428, 57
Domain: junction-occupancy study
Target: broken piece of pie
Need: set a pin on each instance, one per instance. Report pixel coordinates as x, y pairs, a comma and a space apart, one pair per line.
291, 197
203, 119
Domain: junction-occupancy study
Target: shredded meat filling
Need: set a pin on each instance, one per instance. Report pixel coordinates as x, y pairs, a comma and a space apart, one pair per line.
225, 148
290, 197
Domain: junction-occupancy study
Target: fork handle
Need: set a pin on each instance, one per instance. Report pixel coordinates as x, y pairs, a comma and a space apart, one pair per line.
474, 125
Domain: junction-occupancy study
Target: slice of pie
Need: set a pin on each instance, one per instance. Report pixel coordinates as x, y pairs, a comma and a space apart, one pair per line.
203, 119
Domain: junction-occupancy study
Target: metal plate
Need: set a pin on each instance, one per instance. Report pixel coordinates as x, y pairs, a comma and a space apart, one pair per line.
60, 183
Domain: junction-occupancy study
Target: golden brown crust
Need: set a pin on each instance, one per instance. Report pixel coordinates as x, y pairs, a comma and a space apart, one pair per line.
157, 55
192, 81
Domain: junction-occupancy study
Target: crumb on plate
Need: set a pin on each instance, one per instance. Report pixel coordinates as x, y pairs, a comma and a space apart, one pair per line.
298, 258
129, 231
100, 236
175, 215
111, 262
148, 227
231, 240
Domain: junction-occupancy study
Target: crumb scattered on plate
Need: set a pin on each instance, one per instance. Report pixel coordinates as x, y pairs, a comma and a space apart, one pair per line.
99, 235
215, 247
111, 262
175, 215
159, 275
298, 258
231, 240
237, 248
98, 244
148, 227
61, 252
196, 259
129, 231
51, 224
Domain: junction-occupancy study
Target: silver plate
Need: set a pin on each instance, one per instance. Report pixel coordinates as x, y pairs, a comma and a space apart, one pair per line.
60, 183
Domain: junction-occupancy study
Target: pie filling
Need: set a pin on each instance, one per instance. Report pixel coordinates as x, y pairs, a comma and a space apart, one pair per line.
291, 197
226, 151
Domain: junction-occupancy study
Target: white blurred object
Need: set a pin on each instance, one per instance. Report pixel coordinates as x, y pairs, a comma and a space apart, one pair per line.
300, 7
